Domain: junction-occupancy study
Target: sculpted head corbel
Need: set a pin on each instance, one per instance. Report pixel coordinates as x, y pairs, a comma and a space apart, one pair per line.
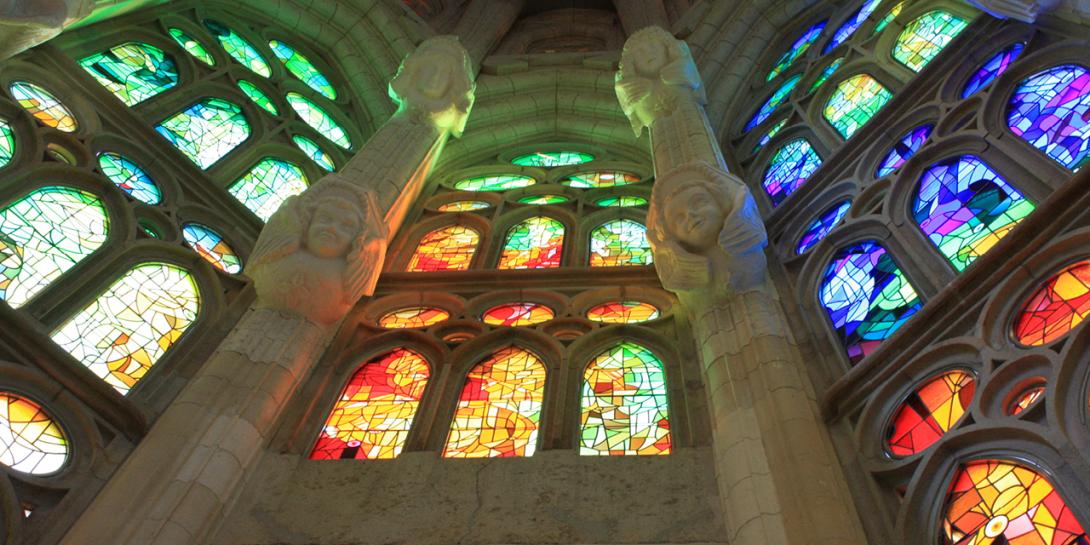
435, 84
706, 231
320, 252
656, 72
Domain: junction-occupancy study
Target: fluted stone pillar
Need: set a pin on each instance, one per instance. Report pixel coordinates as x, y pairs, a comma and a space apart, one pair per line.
639, 14
318, 254
777, 473
485, 23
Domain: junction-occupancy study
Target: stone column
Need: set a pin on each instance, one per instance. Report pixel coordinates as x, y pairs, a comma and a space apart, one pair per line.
639, 14
318, 254
27, 23
484, 23
777, 473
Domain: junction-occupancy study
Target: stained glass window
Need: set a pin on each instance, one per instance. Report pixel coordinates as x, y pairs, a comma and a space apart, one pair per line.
622, 201
463, 206
43, 106
1051, 111
31, 441
624, 408
373, 416
315, 152
1026, 399
623, 312
992, 68
302, 68
598, 179
889, 17
211, 246
927, 35
964, 208
996, 501
797, 49
124, 332
449, 248
541, 200
413, 317
258, 96
552, 159
867, 297
792, 165
133, 71
932, 409
1057, 307
238, 48
826, 74
768, 135
319, 120
7, 143
499, 407
518, 314
620, 243
536, 243
43, 235
206, 131
854, 103
822, 225
129, 177
853, 23
779, 96
498, 182
192, 46
266, 186
904, 149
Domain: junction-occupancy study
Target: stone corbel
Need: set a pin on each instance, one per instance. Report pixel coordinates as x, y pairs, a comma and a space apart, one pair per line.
27, 23
656, 73
434, 85
1026, 11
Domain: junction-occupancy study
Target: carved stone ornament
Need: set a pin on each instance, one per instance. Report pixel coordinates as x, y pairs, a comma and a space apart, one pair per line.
435, 84
706, 231
320, 252
1026, 11
27, 23
656, 72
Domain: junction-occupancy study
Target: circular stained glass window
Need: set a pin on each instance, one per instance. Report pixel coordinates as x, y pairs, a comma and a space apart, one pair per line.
518, 314
31, 441
413, 317
598, 179
623, 312
933, 408
463, 206
549, 159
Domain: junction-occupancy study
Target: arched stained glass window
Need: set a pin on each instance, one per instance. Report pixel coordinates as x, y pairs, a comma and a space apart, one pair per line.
797, 49
449, 248
7, 143
997, 501
498, 182
43, 235
372, 417
319, 120
779, 96
1056, 308
413, 317
211, 246
499, 407
258, 96
315, 152
536, 243
31, 441
133, 71
792, 165
888, 18
964, 208
853, 23
932, 409
192, 46
463, 206
867, 297
1026, 399
129, 177
623, 312
623, 201
992, 68
267, 185
43, 106
206, 131
302, 68
822, 225
620, 243
768, 135
624, 408
542, 200
518, 314
854, 103
124, 332
599, 179
1051, 111
238, 48
827, 73
903, 150
925, 37
552, 159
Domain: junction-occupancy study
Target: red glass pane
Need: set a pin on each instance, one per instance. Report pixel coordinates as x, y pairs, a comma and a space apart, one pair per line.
929, 412
1056, 308
518, 314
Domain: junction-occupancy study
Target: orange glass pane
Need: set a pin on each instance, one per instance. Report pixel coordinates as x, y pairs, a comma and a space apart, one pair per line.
518, 314
536, 243
450, 248
623, 312
929, 412
30, 440
1059, 306
413, 317
1026, 399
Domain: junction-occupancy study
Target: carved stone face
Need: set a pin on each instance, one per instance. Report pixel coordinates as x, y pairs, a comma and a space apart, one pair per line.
430, 74
332, 229
650, 56
694, 217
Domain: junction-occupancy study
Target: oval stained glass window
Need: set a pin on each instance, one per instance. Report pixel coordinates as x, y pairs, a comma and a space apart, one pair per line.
933, 408
822, 225
1050, 110
133, 71
413, 317
129, 177
623, 201
1056, 308
319, 120
258, 96
314, 152
238, 48
211, 246
497, 182
599, 179
768, 135
789, 168
992, 68
797, 49
518, 314
903, 150
302, 68
890, 15
31, 441
623, 312
1025, 399
541, 200
552, 159
844, 33
192, 46
779, 96
43, 106
826, 74
463, 206
7, 143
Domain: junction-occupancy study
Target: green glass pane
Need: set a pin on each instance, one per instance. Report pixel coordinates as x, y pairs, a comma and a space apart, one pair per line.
266, 186
768, 135
543, 199
315, 152
893, 13
133, 71
797, 49
499, 182
620, 243
206, 131
192, 46
43, 106
319, 120
624, 201
598, 179
238, 48
302, 68
854, 103
259, 98
129, 177
7, 143
149, 231
463, 206
927, 35
552, 159
825, 74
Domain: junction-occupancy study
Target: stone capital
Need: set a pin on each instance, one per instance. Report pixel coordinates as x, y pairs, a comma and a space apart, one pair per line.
656, 73
1026, 11
434, 85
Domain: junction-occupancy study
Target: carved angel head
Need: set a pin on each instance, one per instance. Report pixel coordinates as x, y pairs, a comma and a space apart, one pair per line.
656, 71
435, 83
